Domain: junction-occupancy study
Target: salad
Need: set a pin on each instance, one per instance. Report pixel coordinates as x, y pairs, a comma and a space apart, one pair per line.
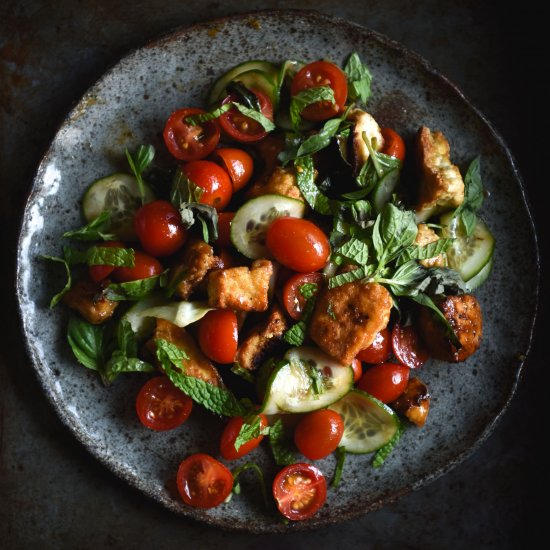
290, 269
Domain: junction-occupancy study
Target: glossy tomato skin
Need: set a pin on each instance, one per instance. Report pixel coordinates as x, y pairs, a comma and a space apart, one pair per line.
242, 128
357, 368
380, 349
218, 335
386, 381
203, 481
321, 73
159, 228
229, 435
408, 347
189, 142
213, 180
237, 163
161, 406
319, 433
224, 229
100, 272
145, 266
393, 144
293, 299
299, 490
298, 244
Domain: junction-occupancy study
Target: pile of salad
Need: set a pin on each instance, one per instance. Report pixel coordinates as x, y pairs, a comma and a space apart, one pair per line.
290, 271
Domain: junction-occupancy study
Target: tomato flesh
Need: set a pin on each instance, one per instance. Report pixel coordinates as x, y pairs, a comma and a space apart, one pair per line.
100, 272
386, 382
299, 490
218, 335
380, 349
408, 347
293, 299
203, 481
229, 435
161, 406
393, 144
224, 228
145, 266
213, 180
319, 433
357, 368
238, 164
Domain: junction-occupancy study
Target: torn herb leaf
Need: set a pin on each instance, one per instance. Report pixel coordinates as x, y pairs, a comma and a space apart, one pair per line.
281, 444
359, 79
139, 163
306, 97
96, 230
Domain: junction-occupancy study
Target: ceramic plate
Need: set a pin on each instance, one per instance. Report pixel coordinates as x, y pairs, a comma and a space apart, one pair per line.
129, 106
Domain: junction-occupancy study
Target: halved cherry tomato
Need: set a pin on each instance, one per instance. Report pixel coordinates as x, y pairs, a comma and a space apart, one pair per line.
161, 406
393, 144
321, 73
386, 382
145, 266
407, 346
293, 299
379, 350
357, 368
319, 433
99, 272
218, 336
190, 142
299, 490
238, 164
242, 128
224, 228
298, 244
213, 180
159, 228
230, 433
203, 481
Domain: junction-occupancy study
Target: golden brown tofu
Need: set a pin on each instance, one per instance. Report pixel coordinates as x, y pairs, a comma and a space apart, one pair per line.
268, 150
425, 236
197, 260
87, 298
197, 365
414, 402
281, 182
364, 122
347, 318
262, 340
464, 315
241, 288
441, 185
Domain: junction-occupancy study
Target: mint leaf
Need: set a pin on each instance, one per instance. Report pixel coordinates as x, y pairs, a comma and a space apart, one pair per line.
382, 454
307, 97
96, 230
359, 78
267, 124
355, 251
250, 429
305, 174
340, 460
281, 444
296, 334
89, 343
102, 255
195, 120
349, 277
55, 300
132, 290
139, 163
425, 252
308, 290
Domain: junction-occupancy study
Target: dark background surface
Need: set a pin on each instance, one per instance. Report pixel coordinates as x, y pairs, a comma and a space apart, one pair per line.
53, 494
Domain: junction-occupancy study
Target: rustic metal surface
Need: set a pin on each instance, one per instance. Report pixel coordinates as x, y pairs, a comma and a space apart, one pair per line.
53, 493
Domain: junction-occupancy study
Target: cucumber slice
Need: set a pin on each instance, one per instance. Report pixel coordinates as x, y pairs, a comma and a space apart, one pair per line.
217, 90
249, 226
120, 194
368, 423
143, 325
308, 381
383, 191
467, 255
477, 280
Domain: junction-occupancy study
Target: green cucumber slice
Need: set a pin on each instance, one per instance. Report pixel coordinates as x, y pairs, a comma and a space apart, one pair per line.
383, 191
368, 423
308, 381
477, 280
468, 254
249, 226
120, 194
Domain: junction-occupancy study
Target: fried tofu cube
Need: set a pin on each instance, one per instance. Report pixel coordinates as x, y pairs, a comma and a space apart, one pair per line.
347, 318
427, 235
364, 122
441, 185
281, 182
414, 402
88, 299
241, 288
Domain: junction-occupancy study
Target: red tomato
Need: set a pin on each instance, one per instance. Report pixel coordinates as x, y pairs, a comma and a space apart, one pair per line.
203, 481
293, 299
99, 272
300, 490
321, 73
187, 142
238, 164
161, 406
379, 350
159, 228
218, 335
224, 228
357, 368
298, 244
213, 180
229, 435
145, 266
319, 433
242, 128
393, 144
408, 347
386, 382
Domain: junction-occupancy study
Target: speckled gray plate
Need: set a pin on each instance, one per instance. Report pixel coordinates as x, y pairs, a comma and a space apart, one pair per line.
129, 106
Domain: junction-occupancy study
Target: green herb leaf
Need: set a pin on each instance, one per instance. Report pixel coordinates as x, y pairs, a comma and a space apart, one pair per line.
90, 343
306, 97
139, 163
243, 373
317, 381
340, 460
305, 174
250, 466
321, 139
55, 300
267, 124
115, 256
132, 290
473, 197
184, 190
425, 252
359, 79
349, 277
96, 230
195, 120
355, 251
296, 334
281, 444
308, 290
250, 429
382, 454
205, 214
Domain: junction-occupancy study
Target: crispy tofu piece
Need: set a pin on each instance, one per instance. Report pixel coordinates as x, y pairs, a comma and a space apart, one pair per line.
414, 402
197, 260
197, 365
441, 185
347, 318
425, 236
87, 298
268, 150
263, 339
241, 288
281, 182
363, 122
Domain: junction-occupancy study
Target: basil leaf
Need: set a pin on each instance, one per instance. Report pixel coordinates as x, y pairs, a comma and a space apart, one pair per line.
349, 277
250, 429
206, 215
184, 190
340, 460
55, 300
102, 255
359, 78
89, 343
321, 139
267, 124
195, 120
132, 290
139, 163
243, 95
281, 444
94, 231
355, 251
473, 197
305, 174
307, 97
382, 454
